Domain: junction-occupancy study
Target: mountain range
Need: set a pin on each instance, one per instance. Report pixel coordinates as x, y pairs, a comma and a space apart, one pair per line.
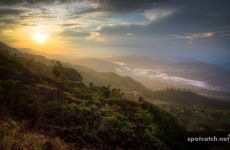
76, 105
157, 73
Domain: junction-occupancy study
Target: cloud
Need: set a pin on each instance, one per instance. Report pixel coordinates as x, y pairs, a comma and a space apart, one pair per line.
130, 34
192, 37
121, 28
48, 8
70, 24
129, 5
190, 21
15, 2
8, 23
72, 33
157, 13
154, 75
106, 5
10, 11
153, 22
95, 36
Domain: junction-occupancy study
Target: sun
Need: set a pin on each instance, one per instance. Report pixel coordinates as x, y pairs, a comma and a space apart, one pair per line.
40, 37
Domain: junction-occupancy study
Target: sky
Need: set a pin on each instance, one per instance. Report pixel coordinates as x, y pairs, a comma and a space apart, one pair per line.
198, 29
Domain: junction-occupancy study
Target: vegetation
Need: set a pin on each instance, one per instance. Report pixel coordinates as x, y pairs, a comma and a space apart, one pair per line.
45, 105
52, 109
189, 98
12, 136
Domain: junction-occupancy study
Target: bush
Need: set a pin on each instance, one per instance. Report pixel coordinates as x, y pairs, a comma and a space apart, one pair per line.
12, 137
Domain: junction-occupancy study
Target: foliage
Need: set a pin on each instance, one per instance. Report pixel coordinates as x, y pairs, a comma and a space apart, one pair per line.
13, 137
66, 72
59, 104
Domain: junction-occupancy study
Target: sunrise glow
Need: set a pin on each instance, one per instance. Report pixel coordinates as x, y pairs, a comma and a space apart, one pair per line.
40, 37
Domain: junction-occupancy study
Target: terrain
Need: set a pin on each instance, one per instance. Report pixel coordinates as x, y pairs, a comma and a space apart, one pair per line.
159, 73
48, 104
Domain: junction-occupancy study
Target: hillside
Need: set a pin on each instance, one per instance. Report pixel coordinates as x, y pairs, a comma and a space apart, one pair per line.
126, 84
61, 112
42, 65
189, 98
64, 108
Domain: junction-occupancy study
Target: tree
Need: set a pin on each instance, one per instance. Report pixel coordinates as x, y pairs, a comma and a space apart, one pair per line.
57, 69
91, 84
66, 73
141, 99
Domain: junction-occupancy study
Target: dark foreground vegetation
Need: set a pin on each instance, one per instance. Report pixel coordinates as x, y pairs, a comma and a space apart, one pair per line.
49, 107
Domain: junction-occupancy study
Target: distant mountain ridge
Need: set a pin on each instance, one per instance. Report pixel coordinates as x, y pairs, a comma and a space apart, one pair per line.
89, 75
126, 84
158, 74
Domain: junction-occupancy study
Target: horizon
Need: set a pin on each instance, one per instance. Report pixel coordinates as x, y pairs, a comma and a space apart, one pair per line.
196, 30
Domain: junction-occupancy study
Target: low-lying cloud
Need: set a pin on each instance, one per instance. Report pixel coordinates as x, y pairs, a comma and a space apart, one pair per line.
152, 74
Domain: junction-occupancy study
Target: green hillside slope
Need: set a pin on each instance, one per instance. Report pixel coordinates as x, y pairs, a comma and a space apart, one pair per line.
52, 105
